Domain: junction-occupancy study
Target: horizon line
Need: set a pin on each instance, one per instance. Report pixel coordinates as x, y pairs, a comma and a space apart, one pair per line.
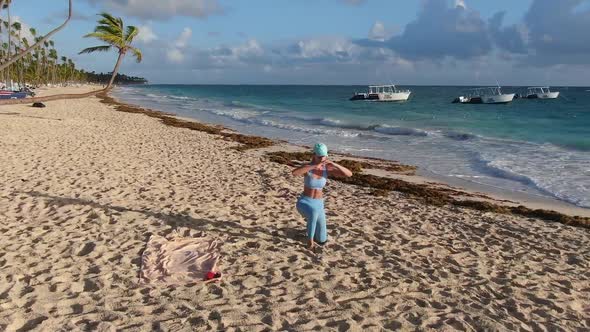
416, 85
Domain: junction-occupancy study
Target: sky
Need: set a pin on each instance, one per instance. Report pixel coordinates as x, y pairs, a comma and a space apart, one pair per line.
406, 42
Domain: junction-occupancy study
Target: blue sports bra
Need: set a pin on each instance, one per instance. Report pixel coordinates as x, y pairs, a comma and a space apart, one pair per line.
312, 182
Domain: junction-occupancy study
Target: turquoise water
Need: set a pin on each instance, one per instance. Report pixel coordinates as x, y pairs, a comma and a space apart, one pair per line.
537, 146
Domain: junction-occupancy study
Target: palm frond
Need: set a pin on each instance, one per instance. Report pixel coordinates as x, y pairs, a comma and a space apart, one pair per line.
108, 29
107, 38
132, 31
136, 53
102, 33
108, 19
102, 48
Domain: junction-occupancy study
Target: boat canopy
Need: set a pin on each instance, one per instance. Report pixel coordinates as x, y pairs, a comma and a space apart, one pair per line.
384, 89
538, 89
492, 90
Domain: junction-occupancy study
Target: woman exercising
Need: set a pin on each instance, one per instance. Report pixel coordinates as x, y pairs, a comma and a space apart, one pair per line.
311, 203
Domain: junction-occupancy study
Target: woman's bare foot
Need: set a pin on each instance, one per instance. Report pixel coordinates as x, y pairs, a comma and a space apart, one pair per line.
311, 244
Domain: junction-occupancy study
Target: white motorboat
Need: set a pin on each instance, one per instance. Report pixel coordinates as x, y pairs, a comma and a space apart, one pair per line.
489, 95
541, 92
383, 93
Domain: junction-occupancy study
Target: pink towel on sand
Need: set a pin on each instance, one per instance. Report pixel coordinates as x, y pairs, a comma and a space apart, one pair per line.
178, 261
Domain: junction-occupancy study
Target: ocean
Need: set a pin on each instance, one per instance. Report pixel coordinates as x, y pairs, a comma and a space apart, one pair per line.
538, 147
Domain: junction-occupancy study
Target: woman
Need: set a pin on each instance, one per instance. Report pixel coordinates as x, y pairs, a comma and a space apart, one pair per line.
311, 204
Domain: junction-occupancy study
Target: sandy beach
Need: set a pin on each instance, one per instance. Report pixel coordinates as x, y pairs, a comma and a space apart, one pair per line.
85, 186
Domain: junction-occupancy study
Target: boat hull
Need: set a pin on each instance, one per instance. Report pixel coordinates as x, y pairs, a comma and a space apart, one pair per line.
13, 95
488, 99
548, 95
497, 99
360, 96
393, 97
382, 97
365, 96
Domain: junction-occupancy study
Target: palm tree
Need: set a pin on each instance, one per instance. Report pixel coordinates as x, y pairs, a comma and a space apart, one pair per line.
112, 31
22, 54
8, 26
19, 64
4, 54
53, 56
64, 69
72, 68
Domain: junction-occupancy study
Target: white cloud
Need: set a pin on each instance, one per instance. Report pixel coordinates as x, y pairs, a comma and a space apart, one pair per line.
440, 31
146, 34
460, 3
158, 9
184, 37
175, 55
324, 48
248, 53
378, 32
251, 48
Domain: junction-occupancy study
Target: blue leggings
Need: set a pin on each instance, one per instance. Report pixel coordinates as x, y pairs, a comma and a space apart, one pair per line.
313, 211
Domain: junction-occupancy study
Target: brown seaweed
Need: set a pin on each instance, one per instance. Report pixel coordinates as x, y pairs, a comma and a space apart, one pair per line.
246, 142
432, 195
291, 158
390, 166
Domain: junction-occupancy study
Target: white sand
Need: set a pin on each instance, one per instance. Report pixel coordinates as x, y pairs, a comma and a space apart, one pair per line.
85, 186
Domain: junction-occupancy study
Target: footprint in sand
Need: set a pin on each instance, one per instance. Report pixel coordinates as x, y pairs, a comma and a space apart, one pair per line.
86, 249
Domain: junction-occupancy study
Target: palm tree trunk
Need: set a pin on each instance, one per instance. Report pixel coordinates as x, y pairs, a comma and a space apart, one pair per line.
42, 40
119, 60
22, 64
50, 98
9, 50
38, 69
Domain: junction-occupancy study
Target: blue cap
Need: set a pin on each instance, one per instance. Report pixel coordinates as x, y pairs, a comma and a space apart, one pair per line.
320, 150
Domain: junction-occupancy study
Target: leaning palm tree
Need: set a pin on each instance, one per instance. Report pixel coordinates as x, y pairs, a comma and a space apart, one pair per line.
112, 31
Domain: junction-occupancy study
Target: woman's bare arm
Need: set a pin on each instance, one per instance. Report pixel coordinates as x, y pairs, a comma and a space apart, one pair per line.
338, 170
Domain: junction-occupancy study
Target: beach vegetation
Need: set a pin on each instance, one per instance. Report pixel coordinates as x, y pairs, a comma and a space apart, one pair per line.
35, 61
5, 4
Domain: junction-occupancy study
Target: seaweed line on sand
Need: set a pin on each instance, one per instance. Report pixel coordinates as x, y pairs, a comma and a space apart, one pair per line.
246, 142
428, 194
